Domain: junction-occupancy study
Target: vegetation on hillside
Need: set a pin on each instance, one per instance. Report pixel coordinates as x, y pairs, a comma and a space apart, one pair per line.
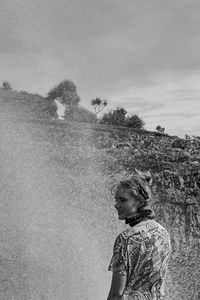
6, 85
175, 168
80, 114
112, 152
66, 93
119, 117
160, 129
98, 105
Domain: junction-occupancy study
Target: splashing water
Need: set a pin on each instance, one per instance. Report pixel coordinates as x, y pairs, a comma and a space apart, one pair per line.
60, 109
57, 226
55, 237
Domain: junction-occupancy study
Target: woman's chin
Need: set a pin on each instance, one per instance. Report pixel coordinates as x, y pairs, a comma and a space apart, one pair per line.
121, 217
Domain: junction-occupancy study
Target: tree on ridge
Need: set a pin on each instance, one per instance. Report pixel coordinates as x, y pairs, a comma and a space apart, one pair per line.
98, 104
66, 93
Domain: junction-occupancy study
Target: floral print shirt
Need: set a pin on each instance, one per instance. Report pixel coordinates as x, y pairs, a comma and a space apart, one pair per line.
142, 254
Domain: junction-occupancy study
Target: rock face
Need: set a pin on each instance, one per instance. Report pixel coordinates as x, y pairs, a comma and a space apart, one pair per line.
175, 173
175, 168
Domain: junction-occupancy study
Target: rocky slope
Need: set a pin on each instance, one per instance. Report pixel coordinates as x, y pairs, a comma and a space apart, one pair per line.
82, 162
175, 167
174, 164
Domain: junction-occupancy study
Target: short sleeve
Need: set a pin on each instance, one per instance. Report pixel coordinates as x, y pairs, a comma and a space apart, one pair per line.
118, 261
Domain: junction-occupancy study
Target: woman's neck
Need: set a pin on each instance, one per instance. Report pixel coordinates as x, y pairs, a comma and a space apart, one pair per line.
134, 219
134, 215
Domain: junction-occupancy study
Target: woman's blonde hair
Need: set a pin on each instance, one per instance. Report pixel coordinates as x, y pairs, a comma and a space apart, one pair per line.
139, 188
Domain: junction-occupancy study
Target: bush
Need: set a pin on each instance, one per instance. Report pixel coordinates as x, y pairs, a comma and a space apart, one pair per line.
80, 114
115, 117
66, 91
50, 108
160, 129
118, 117
24, 93
98, 104
135, 122
6, 85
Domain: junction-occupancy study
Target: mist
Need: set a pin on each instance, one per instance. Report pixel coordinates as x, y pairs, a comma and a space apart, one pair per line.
55, 229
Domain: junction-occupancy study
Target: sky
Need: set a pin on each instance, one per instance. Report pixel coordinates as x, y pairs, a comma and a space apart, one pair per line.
143, 55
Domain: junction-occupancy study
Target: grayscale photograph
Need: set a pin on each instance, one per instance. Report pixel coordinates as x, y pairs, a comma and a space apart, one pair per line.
100, 150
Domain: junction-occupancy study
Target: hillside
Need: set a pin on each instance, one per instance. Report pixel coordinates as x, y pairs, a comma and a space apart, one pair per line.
55, 191
27, 106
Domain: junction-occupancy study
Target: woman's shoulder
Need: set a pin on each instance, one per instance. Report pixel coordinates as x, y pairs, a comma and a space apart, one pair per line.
130, 235
137, 236
159, 227
159, 232
137, 232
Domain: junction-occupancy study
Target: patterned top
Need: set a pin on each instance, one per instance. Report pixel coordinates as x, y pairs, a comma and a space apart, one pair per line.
142, 253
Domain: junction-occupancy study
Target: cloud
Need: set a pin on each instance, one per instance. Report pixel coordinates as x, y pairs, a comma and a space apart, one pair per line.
102, 45
135, 100
188, 95
163, 101
140, 54
174, 115
141, 106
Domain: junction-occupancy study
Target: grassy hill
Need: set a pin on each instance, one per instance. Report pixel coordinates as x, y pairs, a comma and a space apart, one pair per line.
58, 223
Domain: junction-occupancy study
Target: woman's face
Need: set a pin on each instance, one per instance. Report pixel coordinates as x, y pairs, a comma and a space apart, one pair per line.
126, 205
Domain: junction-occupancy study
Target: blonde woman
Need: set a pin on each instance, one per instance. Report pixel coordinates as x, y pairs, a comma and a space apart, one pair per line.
141, 253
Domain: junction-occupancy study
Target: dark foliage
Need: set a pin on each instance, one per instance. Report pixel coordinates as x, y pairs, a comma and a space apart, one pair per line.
115, 117
160, 129
6, 85
98, 104
135, 121
118, 117
80, 114
66, 91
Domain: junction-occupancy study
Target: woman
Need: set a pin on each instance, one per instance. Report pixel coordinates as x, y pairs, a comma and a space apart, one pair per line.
141, 253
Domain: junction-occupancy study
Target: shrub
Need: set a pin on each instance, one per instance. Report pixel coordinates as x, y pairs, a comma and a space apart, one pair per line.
6, 85
24, 93
160, 129
98, 104
115, 117
50, 108
118, 117
135, 121
66, 91
80, 114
